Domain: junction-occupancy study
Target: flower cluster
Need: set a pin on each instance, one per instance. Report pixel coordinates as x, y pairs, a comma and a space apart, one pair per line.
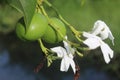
94, 39
67, 56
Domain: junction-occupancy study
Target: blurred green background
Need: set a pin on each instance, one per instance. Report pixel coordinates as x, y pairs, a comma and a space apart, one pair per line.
81, 14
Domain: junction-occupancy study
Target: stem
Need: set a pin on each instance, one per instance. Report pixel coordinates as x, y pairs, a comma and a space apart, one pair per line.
83, 48
80, 54
78, 38
44, 49
43, 11
39, 2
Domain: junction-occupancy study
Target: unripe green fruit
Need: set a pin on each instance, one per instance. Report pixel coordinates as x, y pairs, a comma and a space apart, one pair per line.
51, 35
20, 31
35, 30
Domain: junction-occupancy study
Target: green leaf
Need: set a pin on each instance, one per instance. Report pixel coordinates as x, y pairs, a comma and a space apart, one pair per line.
26, 7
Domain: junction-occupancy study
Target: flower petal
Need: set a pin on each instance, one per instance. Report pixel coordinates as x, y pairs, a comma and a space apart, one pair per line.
72, 63
87, 35
66, 45
107, 52
98, 27
65, 63
111, 37
101, 28
59, 50
68, 48
92, 43
70, 56
104, 34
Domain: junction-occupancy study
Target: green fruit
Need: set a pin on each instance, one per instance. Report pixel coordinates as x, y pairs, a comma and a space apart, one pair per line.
51, 35
20, 31
35, 30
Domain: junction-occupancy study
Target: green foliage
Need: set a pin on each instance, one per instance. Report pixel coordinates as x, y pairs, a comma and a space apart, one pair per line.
8, 18
26, 7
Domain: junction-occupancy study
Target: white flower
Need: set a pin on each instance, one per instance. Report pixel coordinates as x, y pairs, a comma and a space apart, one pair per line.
94, 42
66, 55
100, 28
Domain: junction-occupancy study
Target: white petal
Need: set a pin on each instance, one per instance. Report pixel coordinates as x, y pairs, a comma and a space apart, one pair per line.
59, 50
111, 37
66, 37
72, 63
68, 48
87, 35
98, 27
101, 28
107, 52
104, 34
109, 33
65, 64
92, 43
66, 45
70, 56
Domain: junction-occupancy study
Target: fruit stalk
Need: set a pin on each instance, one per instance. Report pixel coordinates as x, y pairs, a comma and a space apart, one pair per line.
44, 49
